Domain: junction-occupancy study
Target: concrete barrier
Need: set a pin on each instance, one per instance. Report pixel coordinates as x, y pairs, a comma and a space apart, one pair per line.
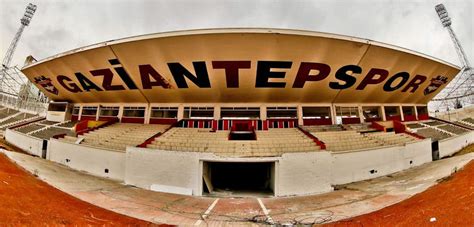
449, 146
294, 173
29, 144
360, 165
99, 162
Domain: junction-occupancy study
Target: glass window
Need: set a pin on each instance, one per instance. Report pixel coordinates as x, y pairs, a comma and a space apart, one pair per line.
347, 111
58, 107
408, 110
371, 112
240, 112
109, 111
392, 111
199, 112
317, 112
164, 112
281, 112
422, 110
134, 111
75, 110
89, 110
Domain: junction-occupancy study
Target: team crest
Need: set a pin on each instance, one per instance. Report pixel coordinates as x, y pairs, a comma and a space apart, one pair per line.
435, 84
47, 84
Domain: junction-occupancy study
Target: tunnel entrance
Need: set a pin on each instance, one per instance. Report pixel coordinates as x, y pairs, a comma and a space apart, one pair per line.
239, 178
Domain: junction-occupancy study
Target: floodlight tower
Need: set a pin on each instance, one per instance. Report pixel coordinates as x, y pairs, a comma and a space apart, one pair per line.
12, 80
462, 85
25, 21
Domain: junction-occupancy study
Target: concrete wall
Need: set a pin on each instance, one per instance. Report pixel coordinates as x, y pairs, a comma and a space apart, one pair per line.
295, 173
361, 165
304, 173
88, 159
30, 144
452, 145
167, 171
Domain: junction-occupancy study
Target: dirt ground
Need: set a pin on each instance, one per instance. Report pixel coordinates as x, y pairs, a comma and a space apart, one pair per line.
449, 203
26, 200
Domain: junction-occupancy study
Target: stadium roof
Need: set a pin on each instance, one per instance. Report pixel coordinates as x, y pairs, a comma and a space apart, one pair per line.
241, 66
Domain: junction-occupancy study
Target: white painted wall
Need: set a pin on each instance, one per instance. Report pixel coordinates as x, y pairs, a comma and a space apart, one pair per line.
30, 144
168, 171
88, 159
56, 116
452, 145
295, 173
357, 165
304, 173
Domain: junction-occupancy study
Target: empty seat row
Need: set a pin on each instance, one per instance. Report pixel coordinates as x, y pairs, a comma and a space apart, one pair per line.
453, 129
346, 140
272, 142
322, 128
390, 138
5, 112
120, 135
432, 133
49, 132
30, 128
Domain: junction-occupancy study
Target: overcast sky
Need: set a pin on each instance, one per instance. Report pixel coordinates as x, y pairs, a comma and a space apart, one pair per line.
59, 26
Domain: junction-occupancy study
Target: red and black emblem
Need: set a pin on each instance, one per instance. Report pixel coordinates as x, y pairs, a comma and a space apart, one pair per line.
435, 84
46, 84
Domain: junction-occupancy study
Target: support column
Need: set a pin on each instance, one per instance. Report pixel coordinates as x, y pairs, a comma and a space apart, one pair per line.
361, 113
416, 112
382, 108
299, 113
180, 112
401, 113
333, 113
217, 112
120, 113
97, 113
147, 114
263, 113
80, 113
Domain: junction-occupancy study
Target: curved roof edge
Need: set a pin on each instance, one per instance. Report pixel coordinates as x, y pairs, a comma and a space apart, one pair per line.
240, 30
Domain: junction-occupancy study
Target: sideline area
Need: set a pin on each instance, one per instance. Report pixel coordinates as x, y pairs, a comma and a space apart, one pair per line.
351, 200
449, 203
26, 200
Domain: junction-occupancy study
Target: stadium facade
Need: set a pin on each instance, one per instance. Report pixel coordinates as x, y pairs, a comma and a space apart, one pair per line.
280, 111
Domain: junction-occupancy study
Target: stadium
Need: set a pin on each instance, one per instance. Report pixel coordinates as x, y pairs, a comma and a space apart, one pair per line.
239, 112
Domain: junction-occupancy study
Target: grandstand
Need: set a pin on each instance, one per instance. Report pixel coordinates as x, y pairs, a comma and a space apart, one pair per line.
273, 142
119, 136
190, 122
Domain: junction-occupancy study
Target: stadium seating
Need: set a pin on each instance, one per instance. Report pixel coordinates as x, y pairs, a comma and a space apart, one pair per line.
7, 112
432, 133
46, 122
469, 120
17, 118
346, 140
30, 128
362, 127
120, 135
415, 125
390, 138
271, 142
68, 124
322, 128
453, 129
433, 123
465, 124
49, 132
